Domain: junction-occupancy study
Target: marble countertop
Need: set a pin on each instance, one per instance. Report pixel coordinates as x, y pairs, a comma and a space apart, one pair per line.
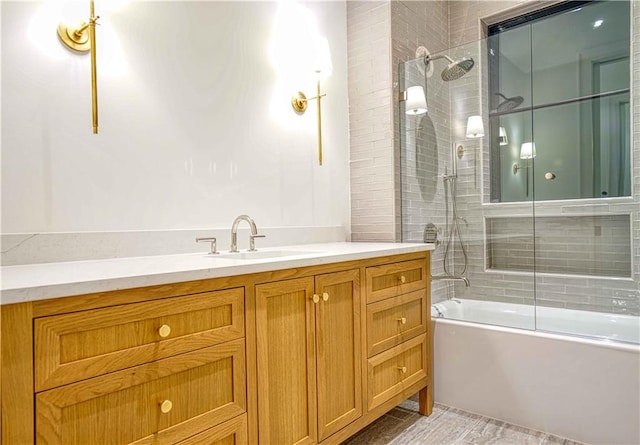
34, 282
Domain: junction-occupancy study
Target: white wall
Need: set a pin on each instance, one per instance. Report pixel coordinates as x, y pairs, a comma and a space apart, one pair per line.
187, 137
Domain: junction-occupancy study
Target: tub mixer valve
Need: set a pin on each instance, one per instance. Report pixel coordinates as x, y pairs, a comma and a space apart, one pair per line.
431, 234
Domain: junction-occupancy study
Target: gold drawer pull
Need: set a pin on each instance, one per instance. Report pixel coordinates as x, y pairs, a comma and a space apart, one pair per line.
402, 320
325, 296
164, 332
315, 298
402, 368
166, 406
403, 279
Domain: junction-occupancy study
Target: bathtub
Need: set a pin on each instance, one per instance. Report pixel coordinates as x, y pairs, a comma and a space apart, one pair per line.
574, 387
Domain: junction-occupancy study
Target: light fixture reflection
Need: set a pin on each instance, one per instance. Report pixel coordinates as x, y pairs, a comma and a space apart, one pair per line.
502, 138
528, 150
416, 102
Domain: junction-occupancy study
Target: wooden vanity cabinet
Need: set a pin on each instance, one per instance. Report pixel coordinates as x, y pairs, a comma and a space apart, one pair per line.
298, 356
308, 356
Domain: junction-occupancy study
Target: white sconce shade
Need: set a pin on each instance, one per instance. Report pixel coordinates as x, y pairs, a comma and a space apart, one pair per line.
475, 129
322, 64
528, 150
416, 102
502, 138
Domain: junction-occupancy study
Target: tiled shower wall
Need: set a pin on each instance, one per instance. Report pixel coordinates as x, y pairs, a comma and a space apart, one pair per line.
595, 245
440, 25
415, 24
592, 222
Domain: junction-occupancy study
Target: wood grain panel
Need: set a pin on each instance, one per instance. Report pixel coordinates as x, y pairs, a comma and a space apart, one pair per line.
339, 346
286, 360
390, 280
385, 375
394, 320
231, 432
80, 345
206, 388
17, 374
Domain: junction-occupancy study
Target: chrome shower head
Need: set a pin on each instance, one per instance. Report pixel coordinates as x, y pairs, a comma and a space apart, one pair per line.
457, 68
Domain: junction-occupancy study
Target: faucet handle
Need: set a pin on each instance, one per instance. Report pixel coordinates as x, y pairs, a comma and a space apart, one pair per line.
252, 244
210, 239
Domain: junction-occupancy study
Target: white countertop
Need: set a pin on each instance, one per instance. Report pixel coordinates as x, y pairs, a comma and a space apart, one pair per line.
34, 282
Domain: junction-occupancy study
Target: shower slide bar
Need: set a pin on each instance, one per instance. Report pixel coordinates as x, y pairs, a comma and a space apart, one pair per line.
560, 102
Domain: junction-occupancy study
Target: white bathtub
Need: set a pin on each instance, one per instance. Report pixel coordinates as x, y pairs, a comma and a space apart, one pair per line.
583, 389
617, 327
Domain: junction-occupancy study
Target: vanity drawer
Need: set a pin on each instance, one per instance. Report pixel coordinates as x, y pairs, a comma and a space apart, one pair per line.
390, 372
231, 432
390, 280
395, 320
80, 345
161, 402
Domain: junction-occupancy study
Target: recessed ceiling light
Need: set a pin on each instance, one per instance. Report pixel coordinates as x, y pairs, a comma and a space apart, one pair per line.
597, 23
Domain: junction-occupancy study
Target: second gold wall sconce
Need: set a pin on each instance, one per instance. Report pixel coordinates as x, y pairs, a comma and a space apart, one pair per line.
322, 69
82, 39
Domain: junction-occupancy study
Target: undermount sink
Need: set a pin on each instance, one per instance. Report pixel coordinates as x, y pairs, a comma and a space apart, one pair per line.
263, 254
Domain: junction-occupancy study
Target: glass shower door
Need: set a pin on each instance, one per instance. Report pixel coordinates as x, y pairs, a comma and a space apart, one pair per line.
582, 172
482, 268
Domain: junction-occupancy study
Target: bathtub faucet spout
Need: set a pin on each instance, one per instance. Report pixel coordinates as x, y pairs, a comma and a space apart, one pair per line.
466, 281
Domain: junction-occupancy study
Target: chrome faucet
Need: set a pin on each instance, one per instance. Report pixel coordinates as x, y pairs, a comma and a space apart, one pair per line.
252, 237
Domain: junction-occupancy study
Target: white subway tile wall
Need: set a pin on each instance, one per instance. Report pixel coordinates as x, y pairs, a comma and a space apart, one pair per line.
370, 121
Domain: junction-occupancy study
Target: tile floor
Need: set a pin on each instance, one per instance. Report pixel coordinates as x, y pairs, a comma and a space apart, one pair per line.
447, 426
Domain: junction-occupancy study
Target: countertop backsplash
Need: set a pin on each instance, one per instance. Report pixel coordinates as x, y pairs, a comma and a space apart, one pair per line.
36, 248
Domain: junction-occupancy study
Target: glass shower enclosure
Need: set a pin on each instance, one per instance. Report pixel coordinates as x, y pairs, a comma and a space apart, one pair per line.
516, 158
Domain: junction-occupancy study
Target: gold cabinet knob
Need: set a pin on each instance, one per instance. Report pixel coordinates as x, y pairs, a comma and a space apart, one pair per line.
325, 296
315, 298
403, 279
402, 320
164, 331
166, 406
402, 368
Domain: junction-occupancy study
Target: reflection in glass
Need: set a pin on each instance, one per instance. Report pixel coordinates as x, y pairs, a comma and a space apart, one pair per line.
562, 78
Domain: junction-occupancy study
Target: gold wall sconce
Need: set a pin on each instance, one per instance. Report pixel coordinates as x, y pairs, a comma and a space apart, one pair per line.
81, 39
322, 69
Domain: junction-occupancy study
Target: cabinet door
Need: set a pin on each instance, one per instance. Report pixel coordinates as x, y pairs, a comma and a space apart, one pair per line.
286, 361
339, 343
